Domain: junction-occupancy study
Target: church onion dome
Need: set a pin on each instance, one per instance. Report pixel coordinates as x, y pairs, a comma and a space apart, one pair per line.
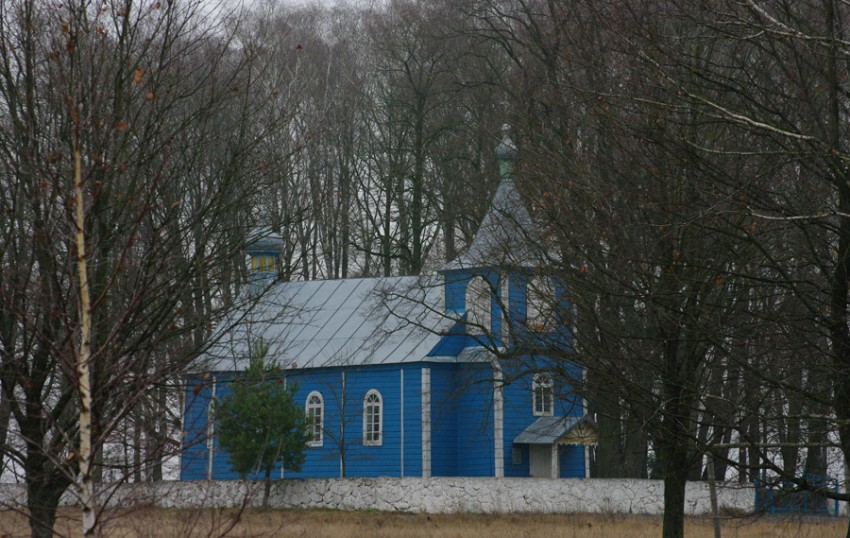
506, 153
506, 150
263, 240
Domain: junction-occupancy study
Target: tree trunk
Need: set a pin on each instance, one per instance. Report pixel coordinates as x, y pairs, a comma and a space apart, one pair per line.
137, 443
85, 456
604, 407
42, 501
675, 478
675, 437
5, 416
267, 487
634, 464
712, 492
839, 337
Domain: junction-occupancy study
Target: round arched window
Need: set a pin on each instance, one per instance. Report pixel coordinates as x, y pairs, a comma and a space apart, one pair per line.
478, 297
540, 312
372, 418
315, 410
543, 401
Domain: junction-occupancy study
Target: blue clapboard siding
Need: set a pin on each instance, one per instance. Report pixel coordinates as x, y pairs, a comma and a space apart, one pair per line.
519, 412
360, 460
196, 455
444, 411
452, 343
340, 434
193, 464
324, 461
572, 461
381, 460
517, 416
412, 420
455, 291
462, 401
475, 420
195, 459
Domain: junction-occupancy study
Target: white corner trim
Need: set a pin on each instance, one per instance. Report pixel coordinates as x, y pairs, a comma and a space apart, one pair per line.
426, 423
498, 421
556, 463
211, 432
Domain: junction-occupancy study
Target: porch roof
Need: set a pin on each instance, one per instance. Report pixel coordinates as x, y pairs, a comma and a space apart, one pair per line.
561, 430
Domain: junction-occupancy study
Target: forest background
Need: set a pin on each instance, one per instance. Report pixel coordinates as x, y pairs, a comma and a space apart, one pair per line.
687, 164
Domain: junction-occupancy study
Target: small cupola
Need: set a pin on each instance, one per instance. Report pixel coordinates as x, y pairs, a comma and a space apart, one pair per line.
263, 247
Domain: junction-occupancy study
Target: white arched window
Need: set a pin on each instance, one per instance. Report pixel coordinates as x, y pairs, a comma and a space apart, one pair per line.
315, 409
373, 410
539, 311
478, 306
541, 389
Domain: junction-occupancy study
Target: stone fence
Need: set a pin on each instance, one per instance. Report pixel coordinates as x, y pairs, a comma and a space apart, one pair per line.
434, 495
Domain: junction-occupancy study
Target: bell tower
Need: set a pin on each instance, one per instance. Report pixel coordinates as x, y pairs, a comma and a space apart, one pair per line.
263, 247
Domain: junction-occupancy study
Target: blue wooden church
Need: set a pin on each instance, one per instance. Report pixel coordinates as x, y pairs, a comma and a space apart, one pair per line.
411, 376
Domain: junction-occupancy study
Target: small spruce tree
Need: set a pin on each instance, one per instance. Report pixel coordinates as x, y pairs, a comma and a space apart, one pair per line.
259, 424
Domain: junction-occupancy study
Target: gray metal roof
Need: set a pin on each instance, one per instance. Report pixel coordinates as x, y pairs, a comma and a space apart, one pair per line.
334, 323
548, 430
507, 235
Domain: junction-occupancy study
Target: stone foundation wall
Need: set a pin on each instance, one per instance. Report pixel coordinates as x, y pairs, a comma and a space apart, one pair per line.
434, 495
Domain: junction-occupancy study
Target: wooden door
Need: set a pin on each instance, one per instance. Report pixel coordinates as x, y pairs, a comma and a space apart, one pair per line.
540, 461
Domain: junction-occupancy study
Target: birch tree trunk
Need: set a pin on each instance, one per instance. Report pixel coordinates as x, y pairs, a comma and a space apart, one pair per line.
84, 478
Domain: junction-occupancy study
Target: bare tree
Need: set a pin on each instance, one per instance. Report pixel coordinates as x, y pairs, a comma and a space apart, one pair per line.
636, 226
775, 80
143, 95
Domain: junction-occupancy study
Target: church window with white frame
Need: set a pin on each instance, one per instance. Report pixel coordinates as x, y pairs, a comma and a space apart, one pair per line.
373, 410
315, 410
543, 400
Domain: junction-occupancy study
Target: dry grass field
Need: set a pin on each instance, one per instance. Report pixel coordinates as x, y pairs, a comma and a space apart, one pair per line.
336, 524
